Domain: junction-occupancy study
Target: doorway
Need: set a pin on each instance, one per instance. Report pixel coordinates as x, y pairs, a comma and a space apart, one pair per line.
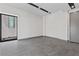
74, 27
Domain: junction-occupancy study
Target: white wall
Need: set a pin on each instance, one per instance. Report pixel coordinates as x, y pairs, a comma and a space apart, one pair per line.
29, 25
44, 25
56, 25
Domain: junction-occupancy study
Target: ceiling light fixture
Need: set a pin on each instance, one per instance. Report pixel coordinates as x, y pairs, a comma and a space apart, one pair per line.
72, 6
32, 4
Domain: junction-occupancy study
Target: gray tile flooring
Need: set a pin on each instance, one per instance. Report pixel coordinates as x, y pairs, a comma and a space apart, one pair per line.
40, 46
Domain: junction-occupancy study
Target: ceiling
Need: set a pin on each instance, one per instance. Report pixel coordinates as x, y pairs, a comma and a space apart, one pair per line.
51, 7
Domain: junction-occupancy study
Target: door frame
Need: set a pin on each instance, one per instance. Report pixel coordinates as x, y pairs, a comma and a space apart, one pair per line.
69, 27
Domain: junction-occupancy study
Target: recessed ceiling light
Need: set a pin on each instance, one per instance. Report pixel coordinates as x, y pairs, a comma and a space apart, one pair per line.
72, 7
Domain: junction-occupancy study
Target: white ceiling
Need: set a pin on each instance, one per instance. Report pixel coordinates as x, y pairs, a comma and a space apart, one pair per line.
51, 7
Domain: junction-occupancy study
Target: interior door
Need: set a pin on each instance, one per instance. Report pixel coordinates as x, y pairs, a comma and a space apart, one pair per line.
74, 27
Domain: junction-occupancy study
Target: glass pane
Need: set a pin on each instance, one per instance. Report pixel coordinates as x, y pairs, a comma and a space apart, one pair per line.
11, 22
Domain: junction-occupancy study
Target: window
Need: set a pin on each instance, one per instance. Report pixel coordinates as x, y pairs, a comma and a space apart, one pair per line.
11, 21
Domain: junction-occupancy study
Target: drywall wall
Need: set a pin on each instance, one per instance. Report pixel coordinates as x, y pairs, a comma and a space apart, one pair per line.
29, 25
56, 25
44, 25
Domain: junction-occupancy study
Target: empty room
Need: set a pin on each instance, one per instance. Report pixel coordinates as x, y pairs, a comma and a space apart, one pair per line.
39, 29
